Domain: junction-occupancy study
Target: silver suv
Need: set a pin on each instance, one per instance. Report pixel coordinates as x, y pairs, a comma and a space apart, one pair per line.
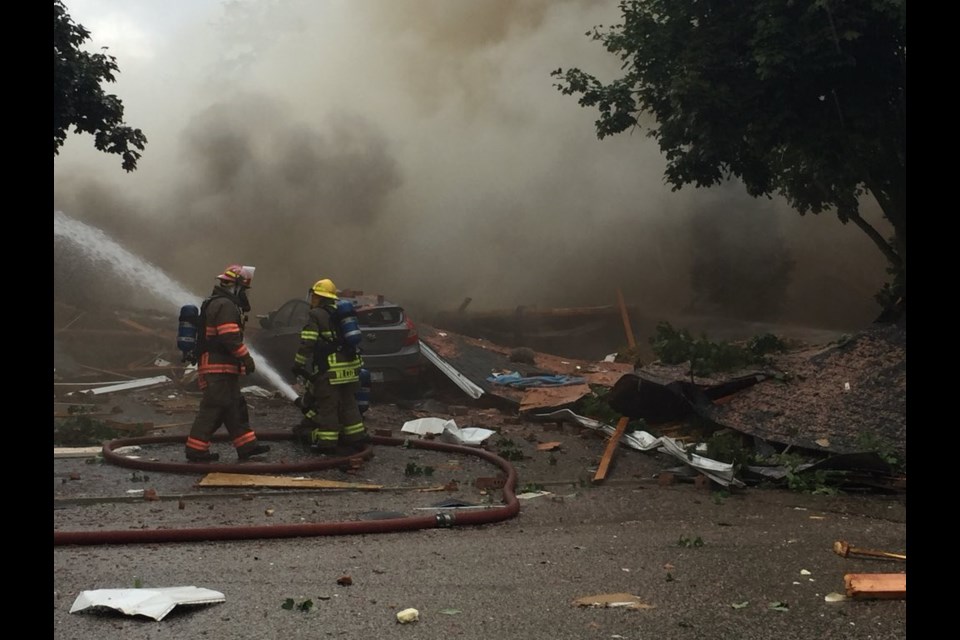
390, 345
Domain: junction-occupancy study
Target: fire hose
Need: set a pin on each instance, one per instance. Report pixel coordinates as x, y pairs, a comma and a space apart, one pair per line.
509, 508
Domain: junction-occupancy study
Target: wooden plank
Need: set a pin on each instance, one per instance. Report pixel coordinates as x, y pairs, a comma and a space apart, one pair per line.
601, 473
255, 480
622, 424
886, 586
76, 452
626, 321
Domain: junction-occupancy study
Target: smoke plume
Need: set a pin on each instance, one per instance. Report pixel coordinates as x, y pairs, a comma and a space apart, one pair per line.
419, 149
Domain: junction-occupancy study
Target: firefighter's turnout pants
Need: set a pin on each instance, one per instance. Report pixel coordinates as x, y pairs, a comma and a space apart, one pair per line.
222, 404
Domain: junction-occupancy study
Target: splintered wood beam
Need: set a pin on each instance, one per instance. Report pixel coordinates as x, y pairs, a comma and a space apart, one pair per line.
622, 424
601, 473
626, 320
885, 586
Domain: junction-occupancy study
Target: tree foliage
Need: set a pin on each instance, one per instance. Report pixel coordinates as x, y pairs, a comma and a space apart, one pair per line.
802, 98
79, 100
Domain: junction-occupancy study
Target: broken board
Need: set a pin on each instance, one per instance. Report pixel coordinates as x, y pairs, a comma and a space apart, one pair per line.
254, 480
885, 586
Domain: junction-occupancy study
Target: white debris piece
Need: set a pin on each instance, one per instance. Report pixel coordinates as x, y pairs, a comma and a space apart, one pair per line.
719, 472
424, 426
132, 384
408, 615
472, 436
153, 603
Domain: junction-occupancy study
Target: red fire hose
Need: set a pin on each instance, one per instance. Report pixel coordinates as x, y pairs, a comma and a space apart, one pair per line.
509, 509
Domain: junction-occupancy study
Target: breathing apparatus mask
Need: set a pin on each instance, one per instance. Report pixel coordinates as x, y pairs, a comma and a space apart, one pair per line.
241, 294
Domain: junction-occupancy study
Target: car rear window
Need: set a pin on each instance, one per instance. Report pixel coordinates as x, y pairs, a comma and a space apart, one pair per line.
382, 317
293, 313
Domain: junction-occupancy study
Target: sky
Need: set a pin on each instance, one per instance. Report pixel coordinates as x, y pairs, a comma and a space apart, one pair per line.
419, 149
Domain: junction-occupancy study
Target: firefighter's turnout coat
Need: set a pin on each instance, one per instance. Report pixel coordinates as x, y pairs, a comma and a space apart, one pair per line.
223, 358
223, 349
332, 368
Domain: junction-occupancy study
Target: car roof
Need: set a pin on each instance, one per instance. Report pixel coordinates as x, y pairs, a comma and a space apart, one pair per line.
361, 301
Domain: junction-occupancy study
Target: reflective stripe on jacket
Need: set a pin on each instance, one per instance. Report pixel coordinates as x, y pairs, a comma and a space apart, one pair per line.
223, 349
341, 365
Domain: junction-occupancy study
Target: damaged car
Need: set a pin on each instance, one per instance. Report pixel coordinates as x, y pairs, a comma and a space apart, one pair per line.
390, 342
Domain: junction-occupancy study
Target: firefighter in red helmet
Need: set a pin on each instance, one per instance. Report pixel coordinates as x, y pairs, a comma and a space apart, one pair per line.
223, 359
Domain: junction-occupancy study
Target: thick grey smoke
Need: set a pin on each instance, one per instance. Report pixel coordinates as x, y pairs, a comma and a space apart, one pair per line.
418, 149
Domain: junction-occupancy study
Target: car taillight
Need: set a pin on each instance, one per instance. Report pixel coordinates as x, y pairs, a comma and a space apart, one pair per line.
412, 337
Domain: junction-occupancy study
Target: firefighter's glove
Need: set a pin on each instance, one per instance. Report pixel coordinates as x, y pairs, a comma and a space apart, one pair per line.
298, 403
249, 364
299, 371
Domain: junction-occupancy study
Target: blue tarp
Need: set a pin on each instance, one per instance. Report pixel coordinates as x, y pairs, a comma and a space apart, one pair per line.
520, 382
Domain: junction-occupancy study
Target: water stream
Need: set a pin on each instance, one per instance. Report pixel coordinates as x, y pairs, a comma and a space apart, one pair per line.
98, 248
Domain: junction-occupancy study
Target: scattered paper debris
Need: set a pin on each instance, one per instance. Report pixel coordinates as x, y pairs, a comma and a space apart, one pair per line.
834, 597
424, 426
471, 436
804, 572
153, 603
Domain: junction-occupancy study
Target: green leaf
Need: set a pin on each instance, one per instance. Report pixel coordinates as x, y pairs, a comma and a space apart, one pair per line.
287, 604
306, 605
779, 606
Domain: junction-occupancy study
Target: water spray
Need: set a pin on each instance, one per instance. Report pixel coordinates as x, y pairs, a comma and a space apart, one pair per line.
99, 247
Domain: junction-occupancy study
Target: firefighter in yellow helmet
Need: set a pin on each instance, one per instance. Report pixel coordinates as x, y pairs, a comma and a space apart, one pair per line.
223, 359
330, 367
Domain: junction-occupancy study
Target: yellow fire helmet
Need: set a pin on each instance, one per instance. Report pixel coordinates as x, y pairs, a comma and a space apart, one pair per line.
325, 288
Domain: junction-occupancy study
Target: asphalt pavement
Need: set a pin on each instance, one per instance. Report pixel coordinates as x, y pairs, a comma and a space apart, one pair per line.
697, 561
